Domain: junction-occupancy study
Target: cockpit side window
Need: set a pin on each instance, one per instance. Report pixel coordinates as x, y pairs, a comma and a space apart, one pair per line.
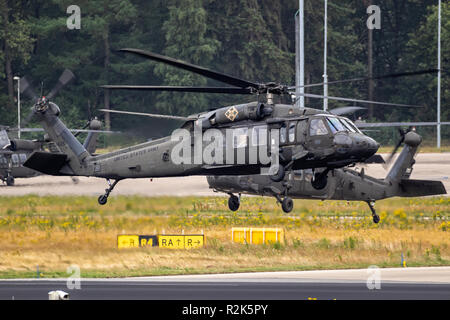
317, 128
292, 131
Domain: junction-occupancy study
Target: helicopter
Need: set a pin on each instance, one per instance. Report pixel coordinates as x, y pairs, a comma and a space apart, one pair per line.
343, 183
14, 152
282, 137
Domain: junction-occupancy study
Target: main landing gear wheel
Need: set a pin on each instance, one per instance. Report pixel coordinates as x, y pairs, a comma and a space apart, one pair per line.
375, 217
287, 205
233, 202
10, 181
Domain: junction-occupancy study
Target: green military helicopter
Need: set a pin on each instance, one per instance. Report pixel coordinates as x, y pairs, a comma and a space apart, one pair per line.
234, 140
14, 152
342, 184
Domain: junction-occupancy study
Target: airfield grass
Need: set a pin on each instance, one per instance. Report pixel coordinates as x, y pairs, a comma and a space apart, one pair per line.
53, 233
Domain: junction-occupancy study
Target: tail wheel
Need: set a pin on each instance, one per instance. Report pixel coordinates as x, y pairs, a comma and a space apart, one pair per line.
102, 199
287, 205
233, 203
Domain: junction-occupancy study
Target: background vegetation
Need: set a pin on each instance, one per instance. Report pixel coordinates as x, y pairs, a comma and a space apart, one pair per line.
246, 38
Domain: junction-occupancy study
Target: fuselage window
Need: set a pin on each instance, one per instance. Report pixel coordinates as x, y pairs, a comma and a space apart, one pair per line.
283, 134
291, 131
307, 174
23, 157
259, 136
240, 137
298, 175
15, 159
317, 128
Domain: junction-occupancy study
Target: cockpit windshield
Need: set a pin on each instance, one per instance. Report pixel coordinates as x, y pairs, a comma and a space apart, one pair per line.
351, 125
341, 124
335, 124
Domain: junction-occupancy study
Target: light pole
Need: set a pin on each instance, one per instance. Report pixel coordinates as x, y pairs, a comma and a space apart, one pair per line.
300, 55
18, 105
439, 80
325, 76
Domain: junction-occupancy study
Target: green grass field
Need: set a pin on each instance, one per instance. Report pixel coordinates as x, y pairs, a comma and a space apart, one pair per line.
53, 233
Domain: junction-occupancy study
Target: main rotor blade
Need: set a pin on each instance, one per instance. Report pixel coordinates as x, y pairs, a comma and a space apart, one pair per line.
346, 110
392, 154
27, 89
229, 90
28, 118
193, 68
317, 96
73, 130
360, 124
393, 75
66, 77
153, 115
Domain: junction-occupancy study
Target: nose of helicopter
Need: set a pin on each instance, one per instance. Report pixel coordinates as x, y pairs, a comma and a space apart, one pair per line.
364, 146
355, 145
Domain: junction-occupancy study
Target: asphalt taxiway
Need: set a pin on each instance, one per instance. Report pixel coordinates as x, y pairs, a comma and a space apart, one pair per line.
360, 284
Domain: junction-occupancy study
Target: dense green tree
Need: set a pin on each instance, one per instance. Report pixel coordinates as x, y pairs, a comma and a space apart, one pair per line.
251, 39
16, 42
186, 38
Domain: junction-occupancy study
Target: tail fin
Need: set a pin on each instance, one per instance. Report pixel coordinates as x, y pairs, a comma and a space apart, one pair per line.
90, 144
77, 155
402, 167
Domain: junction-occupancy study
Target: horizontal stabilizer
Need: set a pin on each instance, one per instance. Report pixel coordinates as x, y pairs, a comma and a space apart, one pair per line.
419, 188
46, 162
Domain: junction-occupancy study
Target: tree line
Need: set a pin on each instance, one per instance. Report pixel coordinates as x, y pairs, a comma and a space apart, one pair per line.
250, 39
